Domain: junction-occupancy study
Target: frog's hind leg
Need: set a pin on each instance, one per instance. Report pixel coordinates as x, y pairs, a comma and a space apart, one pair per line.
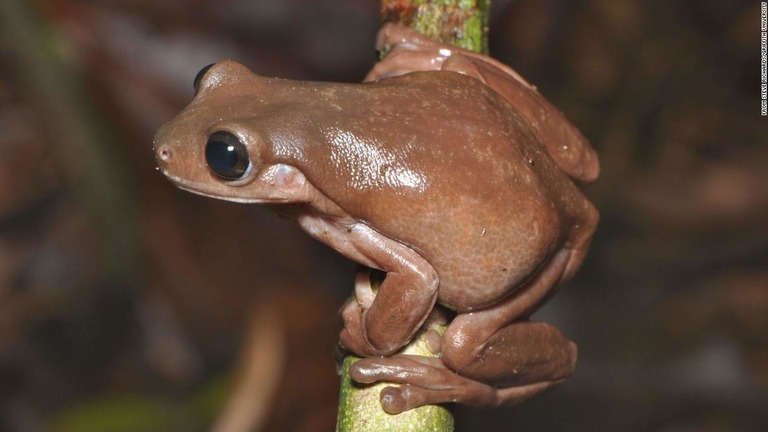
490, 357
564, 143
427, 381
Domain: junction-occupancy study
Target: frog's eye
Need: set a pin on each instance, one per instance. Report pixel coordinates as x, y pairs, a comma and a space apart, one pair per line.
227, 156
199, 77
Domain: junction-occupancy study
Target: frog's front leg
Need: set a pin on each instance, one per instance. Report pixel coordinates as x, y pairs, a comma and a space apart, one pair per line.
404, 299
490, 357
402, 303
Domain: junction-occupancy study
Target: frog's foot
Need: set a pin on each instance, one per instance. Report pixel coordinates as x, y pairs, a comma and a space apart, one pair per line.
407, 51
426, 381
352, 337
404, 59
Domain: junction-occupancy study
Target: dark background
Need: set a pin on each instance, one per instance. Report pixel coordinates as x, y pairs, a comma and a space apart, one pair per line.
123, 301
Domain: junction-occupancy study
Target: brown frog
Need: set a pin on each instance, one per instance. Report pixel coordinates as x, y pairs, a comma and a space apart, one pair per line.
446, 170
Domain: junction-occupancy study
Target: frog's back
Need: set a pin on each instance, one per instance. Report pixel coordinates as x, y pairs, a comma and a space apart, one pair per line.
441, 163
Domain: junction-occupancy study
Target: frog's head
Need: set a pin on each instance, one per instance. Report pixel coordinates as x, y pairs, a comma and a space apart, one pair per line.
216, 146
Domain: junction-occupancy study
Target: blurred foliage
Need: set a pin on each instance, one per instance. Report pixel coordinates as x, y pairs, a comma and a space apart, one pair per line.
146, 413
127, 414
669, 311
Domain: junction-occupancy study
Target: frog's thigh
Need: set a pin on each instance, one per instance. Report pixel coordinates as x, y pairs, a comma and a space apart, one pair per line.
520, 353
498, 345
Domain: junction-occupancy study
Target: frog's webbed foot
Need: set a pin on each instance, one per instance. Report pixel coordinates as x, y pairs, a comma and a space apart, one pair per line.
426, 381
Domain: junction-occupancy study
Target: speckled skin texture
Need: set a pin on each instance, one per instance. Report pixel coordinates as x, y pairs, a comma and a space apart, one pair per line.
447, 171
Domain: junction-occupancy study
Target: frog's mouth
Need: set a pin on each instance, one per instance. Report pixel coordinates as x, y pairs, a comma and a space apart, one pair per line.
203, 189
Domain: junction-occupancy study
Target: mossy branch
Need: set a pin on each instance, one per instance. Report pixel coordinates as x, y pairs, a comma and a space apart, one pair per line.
360, 406
463, 23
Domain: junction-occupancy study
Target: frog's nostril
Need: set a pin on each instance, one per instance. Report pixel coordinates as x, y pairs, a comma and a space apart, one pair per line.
164, 154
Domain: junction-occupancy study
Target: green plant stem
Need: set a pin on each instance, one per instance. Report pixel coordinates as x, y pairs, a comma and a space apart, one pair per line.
360, 406
463, 23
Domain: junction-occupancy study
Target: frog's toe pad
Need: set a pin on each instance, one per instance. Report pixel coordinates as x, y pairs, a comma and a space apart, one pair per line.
395, 400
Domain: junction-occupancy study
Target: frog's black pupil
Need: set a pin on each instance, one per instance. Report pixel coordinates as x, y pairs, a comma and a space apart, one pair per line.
199, 77
227, 156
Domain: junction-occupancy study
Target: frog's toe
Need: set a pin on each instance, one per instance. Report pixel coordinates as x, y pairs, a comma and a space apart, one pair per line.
425, 381
395, 400
404, 369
